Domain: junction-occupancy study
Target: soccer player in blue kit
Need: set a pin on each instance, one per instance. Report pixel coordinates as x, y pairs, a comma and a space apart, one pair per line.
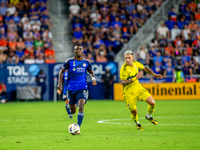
77, 68
65, 95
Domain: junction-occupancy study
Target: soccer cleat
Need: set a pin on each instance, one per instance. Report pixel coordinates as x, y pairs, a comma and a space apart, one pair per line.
70, 116
139, 127
152, 120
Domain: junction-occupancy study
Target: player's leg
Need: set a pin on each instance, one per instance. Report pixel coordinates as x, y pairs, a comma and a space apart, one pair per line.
67, 107
134, 116
131, 105
151, 106
144, 95
150, 109
73, 108
82, 96
72, 101
81, 103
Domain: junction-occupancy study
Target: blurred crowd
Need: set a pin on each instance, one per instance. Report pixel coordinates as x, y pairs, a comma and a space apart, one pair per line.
177, 43
25, 35
104, 26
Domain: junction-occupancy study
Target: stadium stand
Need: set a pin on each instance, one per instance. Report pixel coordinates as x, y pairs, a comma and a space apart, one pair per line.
25, 35
103, 26
176, 44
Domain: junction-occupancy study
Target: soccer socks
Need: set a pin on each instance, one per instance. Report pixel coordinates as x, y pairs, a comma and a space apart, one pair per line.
150, 110
135, 118
137, 123
80, 118
68, 109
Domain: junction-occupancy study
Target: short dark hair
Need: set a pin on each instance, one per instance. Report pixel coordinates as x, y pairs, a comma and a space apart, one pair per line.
78, 44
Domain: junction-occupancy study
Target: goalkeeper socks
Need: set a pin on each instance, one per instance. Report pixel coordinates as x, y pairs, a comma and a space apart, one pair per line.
150, 110
68, 109
80, 118
135, 118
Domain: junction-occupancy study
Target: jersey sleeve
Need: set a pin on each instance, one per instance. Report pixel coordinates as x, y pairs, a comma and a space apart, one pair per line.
65, 66
89, 67
123, 73
140, 66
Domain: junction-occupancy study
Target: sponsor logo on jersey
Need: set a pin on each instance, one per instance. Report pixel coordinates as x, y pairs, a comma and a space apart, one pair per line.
80, 69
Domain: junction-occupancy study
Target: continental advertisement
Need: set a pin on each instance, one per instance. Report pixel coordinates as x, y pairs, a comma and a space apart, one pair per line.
166, 91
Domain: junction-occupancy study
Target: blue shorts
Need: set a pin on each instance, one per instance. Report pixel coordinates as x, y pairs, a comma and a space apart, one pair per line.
74, 96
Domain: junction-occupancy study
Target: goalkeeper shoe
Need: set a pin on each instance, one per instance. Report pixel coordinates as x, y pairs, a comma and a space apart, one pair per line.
70, 116
139, 127
152, 120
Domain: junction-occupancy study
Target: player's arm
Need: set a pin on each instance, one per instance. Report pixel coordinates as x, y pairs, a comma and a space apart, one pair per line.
60, 77
129, 81
149, 71
60, 81
89, 69
126, 82
92, 77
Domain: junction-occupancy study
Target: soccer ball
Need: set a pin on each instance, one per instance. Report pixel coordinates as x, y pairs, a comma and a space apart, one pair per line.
74, 129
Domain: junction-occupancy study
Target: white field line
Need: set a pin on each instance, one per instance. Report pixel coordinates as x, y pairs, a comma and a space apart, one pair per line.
149, 124
110, 121
15, 120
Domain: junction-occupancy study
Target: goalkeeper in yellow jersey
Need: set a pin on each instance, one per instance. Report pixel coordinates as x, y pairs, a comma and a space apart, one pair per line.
133, 90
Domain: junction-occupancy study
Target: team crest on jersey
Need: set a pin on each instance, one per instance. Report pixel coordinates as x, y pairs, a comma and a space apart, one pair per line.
74, 63
135, 68
84, 64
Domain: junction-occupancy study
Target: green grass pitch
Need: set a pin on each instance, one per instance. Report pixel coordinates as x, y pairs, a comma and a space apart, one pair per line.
106, 126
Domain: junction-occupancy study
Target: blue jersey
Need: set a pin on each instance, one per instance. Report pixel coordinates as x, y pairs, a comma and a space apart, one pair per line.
77, 72
65, 80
